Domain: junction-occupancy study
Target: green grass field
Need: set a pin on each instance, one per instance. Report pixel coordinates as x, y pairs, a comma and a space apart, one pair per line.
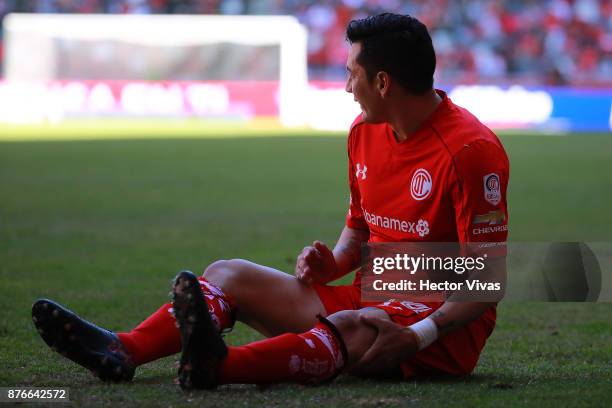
103, 225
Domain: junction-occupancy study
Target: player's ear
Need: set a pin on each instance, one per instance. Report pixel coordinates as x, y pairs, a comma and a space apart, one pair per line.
383, 80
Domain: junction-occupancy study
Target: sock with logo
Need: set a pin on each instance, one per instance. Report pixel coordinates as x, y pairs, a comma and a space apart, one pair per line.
158, 336
308, 358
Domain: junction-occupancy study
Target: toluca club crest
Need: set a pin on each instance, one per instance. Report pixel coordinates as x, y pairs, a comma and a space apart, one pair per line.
421, 185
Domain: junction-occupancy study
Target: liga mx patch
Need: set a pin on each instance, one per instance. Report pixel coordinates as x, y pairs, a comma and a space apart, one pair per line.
492, 188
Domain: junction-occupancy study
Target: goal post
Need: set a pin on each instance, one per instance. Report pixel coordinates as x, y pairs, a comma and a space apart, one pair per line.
38, 48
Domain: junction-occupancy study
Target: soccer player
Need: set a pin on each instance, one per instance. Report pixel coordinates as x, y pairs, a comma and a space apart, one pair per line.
426, 166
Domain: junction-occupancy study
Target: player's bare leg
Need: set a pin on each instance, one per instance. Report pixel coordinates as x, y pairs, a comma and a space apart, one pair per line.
270, 301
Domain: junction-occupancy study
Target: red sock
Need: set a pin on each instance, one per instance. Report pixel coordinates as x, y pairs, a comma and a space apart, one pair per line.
220, 306
306, 358
154, 338
158, 336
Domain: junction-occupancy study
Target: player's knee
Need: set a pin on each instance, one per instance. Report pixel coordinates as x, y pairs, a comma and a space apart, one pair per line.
357, 336
224, 273
346, 321
214, 269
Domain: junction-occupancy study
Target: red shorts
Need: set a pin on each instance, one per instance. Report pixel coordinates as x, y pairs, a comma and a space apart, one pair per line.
455, 354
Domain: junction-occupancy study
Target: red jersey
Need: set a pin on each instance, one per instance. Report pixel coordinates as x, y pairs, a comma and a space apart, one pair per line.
445, 183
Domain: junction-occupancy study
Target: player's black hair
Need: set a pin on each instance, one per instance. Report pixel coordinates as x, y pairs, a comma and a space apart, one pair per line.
397, 44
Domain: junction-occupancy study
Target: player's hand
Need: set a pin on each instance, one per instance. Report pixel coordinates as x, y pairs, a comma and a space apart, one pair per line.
393, 344
316, 264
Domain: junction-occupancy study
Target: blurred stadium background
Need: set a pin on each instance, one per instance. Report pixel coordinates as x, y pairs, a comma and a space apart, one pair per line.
544, 65
102, 225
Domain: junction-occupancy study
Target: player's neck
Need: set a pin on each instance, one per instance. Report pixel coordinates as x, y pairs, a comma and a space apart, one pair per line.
412, 111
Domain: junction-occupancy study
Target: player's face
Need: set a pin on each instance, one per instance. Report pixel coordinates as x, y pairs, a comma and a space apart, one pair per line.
364, 91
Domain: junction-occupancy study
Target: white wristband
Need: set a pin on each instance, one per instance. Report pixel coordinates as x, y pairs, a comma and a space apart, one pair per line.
426, 332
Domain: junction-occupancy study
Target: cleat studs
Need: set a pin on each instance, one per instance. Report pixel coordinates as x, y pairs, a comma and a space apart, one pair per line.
72, 338
192, 319
55, 313
67, 327
104, 361
189, 296
41, 331
177, 324
45, 306
118, 370
34, 319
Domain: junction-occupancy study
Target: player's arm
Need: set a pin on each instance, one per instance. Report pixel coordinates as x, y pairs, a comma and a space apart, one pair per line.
479, 197
319, 264
481, 216
456, 312
395, 343
347, 251
453, 315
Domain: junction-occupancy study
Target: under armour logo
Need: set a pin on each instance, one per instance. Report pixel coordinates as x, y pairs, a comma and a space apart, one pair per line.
361, 172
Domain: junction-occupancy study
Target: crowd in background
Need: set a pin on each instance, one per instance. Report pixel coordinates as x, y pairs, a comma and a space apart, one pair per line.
555, 42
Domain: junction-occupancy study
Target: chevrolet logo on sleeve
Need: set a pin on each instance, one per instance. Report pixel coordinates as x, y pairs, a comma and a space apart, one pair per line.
492, 218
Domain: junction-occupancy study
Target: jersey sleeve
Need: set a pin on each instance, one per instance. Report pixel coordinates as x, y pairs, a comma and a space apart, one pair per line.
479, 193
354, 216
